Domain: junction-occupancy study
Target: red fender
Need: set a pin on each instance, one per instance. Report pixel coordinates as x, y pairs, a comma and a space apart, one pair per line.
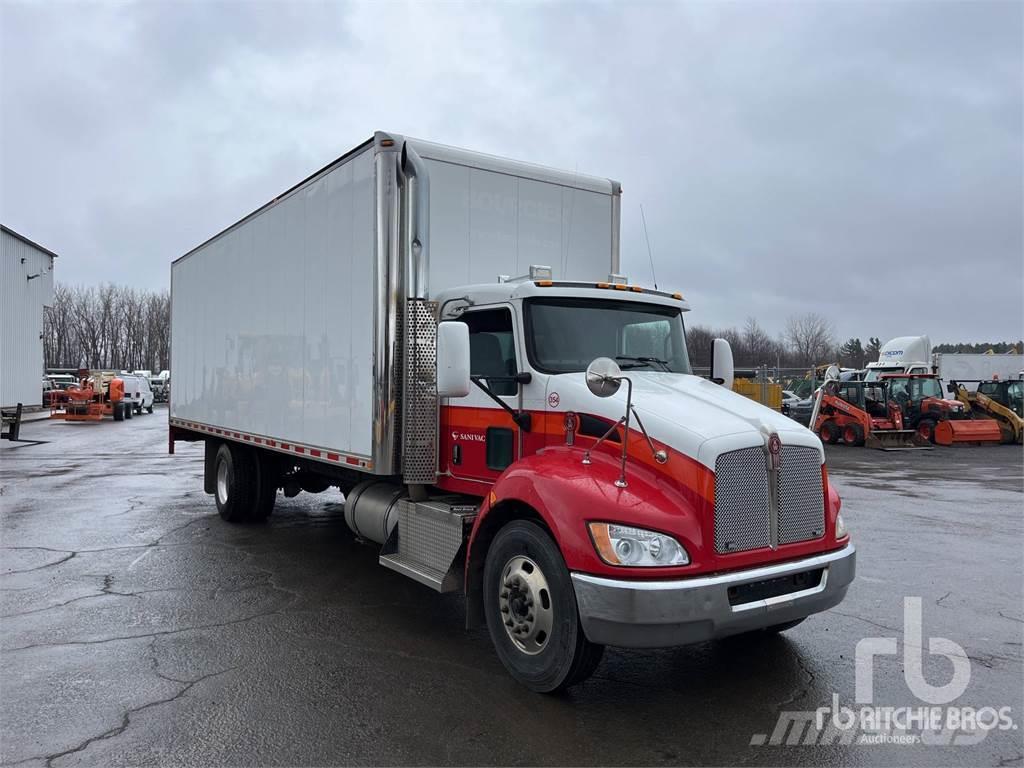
568, 494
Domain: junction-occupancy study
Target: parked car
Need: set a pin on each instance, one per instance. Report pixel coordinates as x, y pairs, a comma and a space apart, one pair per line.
789, 399
138, 392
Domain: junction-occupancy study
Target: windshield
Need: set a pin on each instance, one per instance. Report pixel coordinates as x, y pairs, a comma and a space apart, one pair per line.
874, 374
930, 388
565, 335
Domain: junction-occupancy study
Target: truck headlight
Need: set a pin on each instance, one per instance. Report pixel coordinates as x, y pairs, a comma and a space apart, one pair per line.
624, 545
841, 531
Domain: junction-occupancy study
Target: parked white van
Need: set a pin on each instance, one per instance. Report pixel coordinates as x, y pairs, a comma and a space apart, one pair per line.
137, 392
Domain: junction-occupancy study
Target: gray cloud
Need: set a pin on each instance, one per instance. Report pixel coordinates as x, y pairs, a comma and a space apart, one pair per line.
859, 160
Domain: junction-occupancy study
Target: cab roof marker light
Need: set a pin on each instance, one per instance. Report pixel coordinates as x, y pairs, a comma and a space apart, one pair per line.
620, 286
677, 296
636, 289
603, 285
543, 283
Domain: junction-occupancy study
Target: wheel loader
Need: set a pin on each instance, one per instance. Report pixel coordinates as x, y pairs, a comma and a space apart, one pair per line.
999, 401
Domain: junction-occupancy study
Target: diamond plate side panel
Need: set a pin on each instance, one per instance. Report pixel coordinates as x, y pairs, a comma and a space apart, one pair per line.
801, 500
430, 539
742, 508
419, 393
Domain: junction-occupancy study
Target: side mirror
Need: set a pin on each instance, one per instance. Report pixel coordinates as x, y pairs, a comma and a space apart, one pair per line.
604, 377
722, 370
452, 359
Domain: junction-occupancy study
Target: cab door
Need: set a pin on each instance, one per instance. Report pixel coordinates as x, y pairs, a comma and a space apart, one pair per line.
479, 438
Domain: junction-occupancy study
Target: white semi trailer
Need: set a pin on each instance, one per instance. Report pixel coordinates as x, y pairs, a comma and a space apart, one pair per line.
529, 436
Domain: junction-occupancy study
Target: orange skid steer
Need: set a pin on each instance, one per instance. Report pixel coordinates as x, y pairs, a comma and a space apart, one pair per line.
861, 413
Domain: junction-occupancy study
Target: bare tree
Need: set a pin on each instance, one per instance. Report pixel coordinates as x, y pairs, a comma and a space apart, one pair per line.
811, 338
108, 327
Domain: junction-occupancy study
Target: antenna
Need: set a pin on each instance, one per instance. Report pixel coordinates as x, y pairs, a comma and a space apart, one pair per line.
648, 239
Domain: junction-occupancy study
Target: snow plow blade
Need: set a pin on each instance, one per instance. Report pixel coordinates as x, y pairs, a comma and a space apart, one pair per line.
896, 440
968, 431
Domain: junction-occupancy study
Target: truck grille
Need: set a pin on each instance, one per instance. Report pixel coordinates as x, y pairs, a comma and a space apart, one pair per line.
801, 504
743, 499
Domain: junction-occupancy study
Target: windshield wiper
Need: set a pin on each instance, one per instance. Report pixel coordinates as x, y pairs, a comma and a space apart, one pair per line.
639, 362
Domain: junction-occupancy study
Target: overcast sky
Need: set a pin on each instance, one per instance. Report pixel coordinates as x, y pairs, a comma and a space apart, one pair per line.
861, 160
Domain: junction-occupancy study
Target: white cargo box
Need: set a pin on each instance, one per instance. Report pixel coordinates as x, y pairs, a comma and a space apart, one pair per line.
283, 326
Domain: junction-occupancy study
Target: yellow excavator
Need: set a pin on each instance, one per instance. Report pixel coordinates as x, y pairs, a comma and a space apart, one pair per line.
1001, 400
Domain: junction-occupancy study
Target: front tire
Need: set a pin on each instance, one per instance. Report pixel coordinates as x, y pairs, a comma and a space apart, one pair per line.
926, 430
149, 409
531, 611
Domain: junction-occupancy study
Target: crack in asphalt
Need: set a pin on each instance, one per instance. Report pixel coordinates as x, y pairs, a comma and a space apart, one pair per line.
40, 567
811, 677
126, 719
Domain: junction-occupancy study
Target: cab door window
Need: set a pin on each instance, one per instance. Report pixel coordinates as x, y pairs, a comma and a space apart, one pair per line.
492, 351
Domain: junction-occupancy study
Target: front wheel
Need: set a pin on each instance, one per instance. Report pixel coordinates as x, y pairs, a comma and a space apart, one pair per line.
149, 409
531, 611
926, 430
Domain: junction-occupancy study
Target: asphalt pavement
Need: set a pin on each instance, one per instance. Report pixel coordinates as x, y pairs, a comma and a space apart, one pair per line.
137, 628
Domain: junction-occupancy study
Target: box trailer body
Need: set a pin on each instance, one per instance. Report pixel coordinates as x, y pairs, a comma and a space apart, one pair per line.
445, 337
971, 368
285, 325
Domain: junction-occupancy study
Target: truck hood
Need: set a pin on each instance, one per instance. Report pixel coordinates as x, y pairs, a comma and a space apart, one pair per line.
692, 415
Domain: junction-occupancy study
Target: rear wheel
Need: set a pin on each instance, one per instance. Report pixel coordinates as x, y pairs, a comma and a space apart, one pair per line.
149, 409
829, 432
128, 410
235, 486
926, 430
853, 434
117, 409
268, 475
531, 611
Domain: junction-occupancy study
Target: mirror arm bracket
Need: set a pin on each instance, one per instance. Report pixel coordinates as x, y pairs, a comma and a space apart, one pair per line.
521, 418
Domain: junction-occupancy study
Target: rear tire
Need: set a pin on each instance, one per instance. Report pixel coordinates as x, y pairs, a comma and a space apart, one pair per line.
853, 434
528, 594
268, 475
235, 483
926, 430
128, 410
829, 432
149, 409
117, 409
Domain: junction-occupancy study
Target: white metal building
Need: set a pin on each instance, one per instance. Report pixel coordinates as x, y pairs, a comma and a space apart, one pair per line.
26, 286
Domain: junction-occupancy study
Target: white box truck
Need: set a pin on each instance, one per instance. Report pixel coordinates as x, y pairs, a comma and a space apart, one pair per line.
529, 436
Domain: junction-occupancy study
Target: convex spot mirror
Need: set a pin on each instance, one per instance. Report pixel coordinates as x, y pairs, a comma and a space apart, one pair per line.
604, 377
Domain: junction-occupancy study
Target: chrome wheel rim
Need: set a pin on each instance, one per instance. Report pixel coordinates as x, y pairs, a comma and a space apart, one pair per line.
525, 603
222, 482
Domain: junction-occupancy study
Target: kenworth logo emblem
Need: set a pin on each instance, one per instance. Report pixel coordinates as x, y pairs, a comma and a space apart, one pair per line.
774, 451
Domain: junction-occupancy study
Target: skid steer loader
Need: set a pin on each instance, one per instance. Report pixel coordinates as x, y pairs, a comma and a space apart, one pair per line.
861, 413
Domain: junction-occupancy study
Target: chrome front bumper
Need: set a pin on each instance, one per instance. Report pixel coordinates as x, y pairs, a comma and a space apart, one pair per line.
659, 614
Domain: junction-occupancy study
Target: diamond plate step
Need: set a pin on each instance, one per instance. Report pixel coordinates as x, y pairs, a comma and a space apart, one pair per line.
417, 571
